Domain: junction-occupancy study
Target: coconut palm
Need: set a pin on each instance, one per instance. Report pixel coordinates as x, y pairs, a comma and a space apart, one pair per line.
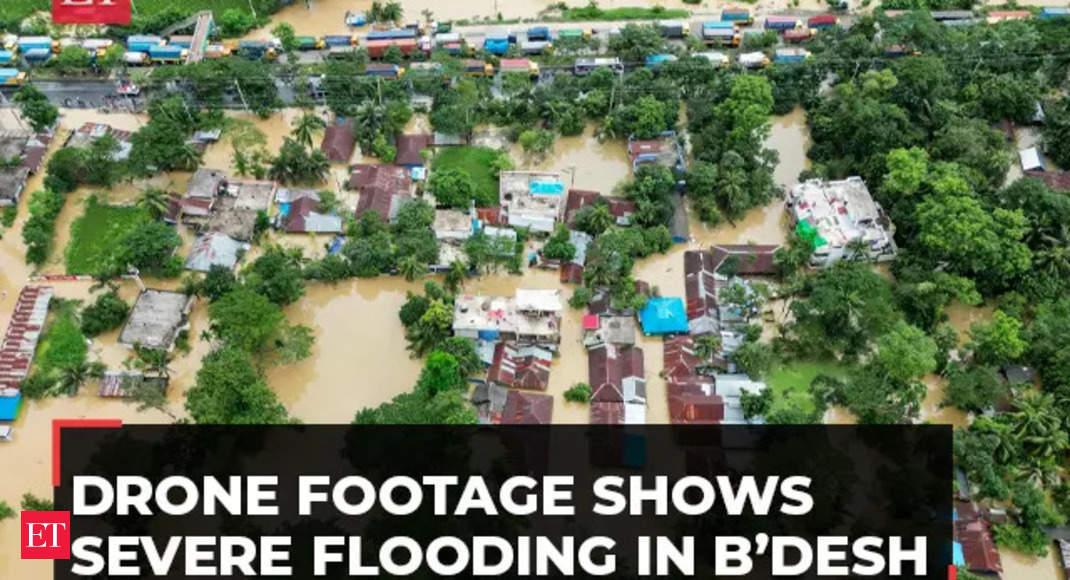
1037, 426
74, 375
187, 157
857, 249
594, 219
155, 201
455, 276
306, 126
411, 268
1054, 257
706, 346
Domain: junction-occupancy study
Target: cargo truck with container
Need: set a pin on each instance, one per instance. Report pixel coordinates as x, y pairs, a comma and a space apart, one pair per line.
781, 23
167, 54
574, 33
332, 40
25, 43
538, 33
257, 50
310, 43
384, 70
720, 35
791, 55
798, 35
393, 34
673, 29
477, 68
142, 43
584, 66
822, 22
497, 45
737, 15
519, 65
213, 51
378, 48
183, 41
7, 57
355, 19
36, 55
12, 77
657, 60
135, 58
719, 59
1054, 12
531, 48
753, 60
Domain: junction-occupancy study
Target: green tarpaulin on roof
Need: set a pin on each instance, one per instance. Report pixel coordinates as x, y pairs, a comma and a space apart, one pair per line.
809, 233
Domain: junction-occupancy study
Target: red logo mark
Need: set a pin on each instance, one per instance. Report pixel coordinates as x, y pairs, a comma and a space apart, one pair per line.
91, 11
46, 535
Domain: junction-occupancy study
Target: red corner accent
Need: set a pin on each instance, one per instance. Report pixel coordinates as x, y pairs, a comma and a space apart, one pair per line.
58, 424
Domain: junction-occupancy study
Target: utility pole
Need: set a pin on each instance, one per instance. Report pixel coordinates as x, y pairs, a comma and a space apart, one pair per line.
244, 104
379, 89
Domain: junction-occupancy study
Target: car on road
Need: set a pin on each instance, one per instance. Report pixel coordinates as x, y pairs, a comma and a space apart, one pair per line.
128, 89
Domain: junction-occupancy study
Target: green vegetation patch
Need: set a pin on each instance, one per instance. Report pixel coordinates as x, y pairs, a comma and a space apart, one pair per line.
790, 382
97, 236
62, 345
593, 12
480, 163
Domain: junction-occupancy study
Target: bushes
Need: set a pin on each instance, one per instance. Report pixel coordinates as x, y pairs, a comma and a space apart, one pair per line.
106, 313
45, 206
578, 393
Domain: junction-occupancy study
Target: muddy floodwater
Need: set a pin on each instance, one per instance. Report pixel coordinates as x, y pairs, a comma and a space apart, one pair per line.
360, 357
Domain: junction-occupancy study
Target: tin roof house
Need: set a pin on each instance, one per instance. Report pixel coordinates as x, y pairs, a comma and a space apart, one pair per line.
156, 319
520, 367
383, 189
618, 384
664, 150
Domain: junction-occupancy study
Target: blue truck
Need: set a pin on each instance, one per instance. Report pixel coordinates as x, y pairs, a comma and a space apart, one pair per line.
739, 15
496, 45
167, 54
142, 43
790, 55
1054, 12
7, 57
37, 55
656, 60
32, 42
538, 33
393, 34
332, 40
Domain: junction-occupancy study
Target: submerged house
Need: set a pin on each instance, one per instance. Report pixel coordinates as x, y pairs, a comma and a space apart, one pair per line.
661, 316
20, 339
522, 408
21, 155
621, 209
532, 316
974, 547
383, 189
532, 199
85, 135
303, 216
664, 150
618, 384
520, 367
338, 141
156, 319
195, 206
693, 400
214, 249
840, 218
238, 207
410, 148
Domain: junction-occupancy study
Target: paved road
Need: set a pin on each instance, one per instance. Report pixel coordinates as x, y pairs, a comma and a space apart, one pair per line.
92, 91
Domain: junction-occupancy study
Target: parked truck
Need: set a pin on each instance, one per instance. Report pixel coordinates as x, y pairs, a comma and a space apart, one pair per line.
310, 43
822, 21
384, 69
530, 48
574, 33
135, 58
12, 77
378, 48
798, 35
781, 23
715, 58
725, 36
656, 60
36, 55
539, 33
25, 43
142, 43
1054, 12
519, 65
257, 50
673, 29
584, 66
477, 68
790, 55
753, 60
737, 15
393, 34
167, 54
498, 45
7, 57
183, 41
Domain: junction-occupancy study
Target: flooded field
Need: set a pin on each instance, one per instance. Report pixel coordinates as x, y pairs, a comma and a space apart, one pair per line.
584, 161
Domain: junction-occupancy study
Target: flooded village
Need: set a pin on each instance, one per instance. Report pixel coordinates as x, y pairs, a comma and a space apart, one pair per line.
641, 363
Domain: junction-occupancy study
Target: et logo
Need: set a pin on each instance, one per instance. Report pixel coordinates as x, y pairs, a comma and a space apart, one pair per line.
46, 535
91, 11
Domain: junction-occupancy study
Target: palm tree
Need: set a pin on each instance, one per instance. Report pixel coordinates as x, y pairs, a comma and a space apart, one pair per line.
706, 346
154, 361
411, 268
595, 219
857, 249
1055, 255
74, 375
455, 276
187, 157
1038, 427
155, 201
306, 126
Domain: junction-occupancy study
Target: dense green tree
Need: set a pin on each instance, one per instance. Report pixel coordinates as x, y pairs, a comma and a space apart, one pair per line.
441, 373
229, 390
245, 319
593, 219
277, 276
35, 108
456, 188
295, 164
306, 126
217, 283
155, 201
448, 408
558, 247
106, 313
149, 247
997, 341
905, 353
843, 308
636, 42
973, 387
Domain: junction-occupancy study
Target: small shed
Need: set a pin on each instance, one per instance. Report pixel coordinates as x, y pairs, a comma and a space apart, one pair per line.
661, 316
214, 249
9, 406
1031, 159
338, 141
